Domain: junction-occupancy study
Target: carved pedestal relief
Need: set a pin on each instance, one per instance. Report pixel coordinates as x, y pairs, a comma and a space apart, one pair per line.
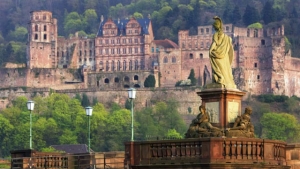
233, 110
212, 108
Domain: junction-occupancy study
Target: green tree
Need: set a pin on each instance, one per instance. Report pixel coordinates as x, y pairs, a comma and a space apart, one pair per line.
85, 102
268, 13
280, 126
6, 133
192, 77
251, 15
91, 18
150, 81
19, 34
172, 133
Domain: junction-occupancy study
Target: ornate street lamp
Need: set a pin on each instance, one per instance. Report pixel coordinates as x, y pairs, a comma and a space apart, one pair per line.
30, 107
131, 96
89, 111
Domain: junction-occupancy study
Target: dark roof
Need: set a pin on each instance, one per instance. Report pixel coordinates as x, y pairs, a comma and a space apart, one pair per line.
167, 43
121, 24
73, 148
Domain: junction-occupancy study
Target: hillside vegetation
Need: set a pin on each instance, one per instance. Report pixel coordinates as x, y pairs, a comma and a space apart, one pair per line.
168, 17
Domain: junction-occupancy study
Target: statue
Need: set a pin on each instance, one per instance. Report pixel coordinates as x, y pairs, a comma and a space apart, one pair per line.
221, 56
201, 126
242, 126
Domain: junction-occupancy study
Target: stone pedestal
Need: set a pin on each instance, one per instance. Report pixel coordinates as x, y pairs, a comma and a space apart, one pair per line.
222, 105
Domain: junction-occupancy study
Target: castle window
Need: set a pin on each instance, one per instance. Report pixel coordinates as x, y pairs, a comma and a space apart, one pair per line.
44, 17
113, 41
118, 65
152, 49
124, 65
80, 53
174, 59
124, 40
262, 42
106, 80
36, 17
191, 56
126, 79
136, 50
106, 41
157, 49
136, 31
136, 77
112, 32
202, 45
91, 53
118, 51
165, 60
130, 50
130, 65
136, 65
183, 45
80, 60
248, 33
118, 41
202, 30
62, 54
112, 51
130, 40
100, 41
106, 51
255, 64
98, 83
45, 36
45, 27
117, 80
100, 52
201, 56
255, 33
124, 50
207, 30
91, 44
35, 36
85, 53
112, 65
136, 41
258, 77
207, 44
227, 28
107, 66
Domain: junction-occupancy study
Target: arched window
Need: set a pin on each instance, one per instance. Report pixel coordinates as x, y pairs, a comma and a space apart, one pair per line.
117, 80
201, 56
36, 28
45, 27
106, 80
137, 86
107, 66
124, 65
112, 65
126, 79
118, 65
136, 77
130, 65
45, 36
173, 59
191, 56
136, 65
165, 59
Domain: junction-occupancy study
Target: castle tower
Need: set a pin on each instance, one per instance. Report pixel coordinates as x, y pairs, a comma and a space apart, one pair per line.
42, 40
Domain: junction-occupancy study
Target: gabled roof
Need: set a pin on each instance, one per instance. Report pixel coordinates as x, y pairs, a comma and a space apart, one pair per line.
167, 43
73, 148
121, 25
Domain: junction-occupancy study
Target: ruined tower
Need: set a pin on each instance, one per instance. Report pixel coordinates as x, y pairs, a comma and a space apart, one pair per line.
42, 40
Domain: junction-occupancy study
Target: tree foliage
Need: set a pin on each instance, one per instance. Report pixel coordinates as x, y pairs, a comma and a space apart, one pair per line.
150, 81
192, 77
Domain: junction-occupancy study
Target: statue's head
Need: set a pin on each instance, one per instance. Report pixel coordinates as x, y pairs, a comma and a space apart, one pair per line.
217, 24
248, 110
202, 108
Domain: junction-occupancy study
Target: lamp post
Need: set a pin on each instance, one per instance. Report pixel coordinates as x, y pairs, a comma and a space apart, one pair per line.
131, 95
89, 111
30, 107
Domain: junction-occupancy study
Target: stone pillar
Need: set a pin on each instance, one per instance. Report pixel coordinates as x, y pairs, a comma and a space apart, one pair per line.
222, 105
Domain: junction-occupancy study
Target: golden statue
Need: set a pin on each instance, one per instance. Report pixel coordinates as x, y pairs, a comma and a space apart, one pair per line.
221, 56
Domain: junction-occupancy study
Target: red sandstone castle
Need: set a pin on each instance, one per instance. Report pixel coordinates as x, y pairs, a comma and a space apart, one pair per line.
124, 53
